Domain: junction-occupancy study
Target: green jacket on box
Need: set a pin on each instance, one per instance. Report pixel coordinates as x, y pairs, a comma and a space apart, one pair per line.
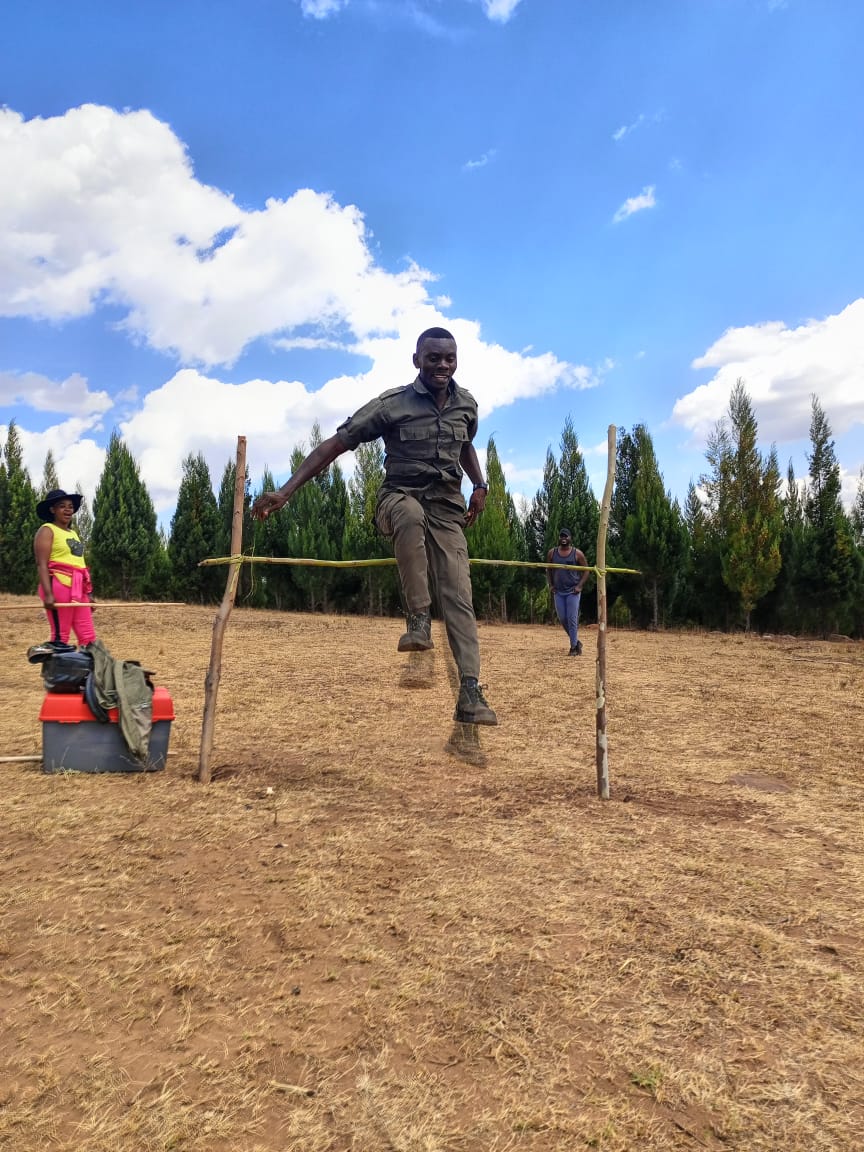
122, 684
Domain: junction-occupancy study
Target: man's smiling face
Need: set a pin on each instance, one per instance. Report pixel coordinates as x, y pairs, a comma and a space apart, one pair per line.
435, 360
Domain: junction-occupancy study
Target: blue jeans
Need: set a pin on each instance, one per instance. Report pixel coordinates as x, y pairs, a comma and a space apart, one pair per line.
567, 607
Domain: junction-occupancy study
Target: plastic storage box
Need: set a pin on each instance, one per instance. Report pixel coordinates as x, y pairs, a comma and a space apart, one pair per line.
73, 740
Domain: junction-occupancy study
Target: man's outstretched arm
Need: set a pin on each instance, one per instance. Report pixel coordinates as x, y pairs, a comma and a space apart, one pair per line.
314, 464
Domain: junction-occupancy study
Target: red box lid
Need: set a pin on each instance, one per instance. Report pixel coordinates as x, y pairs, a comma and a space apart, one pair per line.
71, 708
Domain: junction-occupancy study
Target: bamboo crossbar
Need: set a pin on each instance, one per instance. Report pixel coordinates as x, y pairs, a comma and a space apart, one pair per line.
390, 560
96, 604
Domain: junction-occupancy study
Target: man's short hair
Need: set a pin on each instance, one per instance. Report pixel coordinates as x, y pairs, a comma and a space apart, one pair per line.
434, 334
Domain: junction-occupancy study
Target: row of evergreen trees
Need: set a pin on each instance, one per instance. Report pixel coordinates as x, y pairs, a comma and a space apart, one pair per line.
745, 550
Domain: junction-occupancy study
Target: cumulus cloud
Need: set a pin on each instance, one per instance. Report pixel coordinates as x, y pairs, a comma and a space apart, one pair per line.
70, 396
195, 412
77, 456
782, 368
105, 207
639, 203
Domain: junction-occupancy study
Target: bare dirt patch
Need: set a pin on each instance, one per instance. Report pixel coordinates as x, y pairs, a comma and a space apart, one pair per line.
381, 930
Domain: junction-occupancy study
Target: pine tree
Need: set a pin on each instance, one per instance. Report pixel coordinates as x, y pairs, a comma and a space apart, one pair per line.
744, 501
158, 585
83, 521
194, 534
856, 520
653, 538
578, 506
248, 578
541, 525
544, 516
631, 591
830, 564
334, 503
706, 596
623, 499
780, 608
50, 480
273, 586
378, 587
308, 536
4, 514
124, 541
18, 519
492, 537
857, 515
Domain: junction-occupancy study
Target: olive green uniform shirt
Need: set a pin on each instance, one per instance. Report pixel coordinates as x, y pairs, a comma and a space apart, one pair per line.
422, 446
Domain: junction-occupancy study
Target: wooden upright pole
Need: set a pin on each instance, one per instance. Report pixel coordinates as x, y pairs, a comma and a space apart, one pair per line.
214, 672
602, 741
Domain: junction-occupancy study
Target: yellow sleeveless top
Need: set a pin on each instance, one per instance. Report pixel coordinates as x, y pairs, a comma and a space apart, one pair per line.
66, 548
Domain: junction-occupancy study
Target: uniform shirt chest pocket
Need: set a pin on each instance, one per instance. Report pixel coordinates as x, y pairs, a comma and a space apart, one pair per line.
427, 441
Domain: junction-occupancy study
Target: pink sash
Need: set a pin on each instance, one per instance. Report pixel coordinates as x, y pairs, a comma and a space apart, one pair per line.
81, 584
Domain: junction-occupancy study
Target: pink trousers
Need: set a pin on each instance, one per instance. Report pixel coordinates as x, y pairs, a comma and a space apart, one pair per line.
62, 620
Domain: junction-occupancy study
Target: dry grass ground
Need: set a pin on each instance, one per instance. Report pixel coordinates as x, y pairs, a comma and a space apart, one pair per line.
421, 942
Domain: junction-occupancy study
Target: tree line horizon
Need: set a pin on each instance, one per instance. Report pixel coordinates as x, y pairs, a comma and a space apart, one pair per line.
746, 549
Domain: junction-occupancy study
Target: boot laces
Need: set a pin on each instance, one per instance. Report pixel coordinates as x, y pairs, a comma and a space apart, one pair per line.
475, 693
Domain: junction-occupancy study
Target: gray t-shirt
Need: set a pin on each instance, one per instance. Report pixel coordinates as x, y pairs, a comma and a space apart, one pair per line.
565, 582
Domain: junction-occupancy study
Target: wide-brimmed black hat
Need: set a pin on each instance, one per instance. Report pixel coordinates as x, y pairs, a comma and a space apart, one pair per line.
43, 508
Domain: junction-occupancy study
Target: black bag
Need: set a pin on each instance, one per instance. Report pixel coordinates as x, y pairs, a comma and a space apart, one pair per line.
66, 672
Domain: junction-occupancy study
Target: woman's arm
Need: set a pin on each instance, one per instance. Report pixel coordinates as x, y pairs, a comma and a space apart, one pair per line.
43, 541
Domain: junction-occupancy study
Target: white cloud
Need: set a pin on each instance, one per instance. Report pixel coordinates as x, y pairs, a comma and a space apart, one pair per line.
39, 392
106, 207
782, 367
500, 10
78, 458
486, 158
849, 482
601, 448
321, 9
626, 129
639, 203
194, 412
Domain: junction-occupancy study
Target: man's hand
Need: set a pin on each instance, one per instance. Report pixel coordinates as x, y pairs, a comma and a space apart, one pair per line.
475, 506
266, 503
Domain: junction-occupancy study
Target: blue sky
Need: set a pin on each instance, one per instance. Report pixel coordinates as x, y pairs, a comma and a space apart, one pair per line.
221, 218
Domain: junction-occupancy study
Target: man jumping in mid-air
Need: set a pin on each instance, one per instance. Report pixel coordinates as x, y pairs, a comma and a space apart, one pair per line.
428, 428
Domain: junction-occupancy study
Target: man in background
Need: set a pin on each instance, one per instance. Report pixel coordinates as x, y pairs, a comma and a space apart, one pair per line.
566, 586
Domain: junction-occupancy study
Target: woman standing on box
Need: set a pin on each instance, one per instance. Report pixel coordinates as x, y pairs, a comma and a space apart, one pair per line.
63, 574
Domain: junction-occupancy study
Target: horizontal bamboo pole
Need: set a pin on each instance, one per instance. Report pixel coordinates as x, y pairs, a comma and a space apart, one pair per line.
20, 759
96, 604
390, 560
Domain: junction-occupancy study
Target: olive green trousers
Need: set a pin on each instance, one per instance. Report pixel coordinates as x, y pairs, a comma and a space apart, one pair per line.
432, 556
